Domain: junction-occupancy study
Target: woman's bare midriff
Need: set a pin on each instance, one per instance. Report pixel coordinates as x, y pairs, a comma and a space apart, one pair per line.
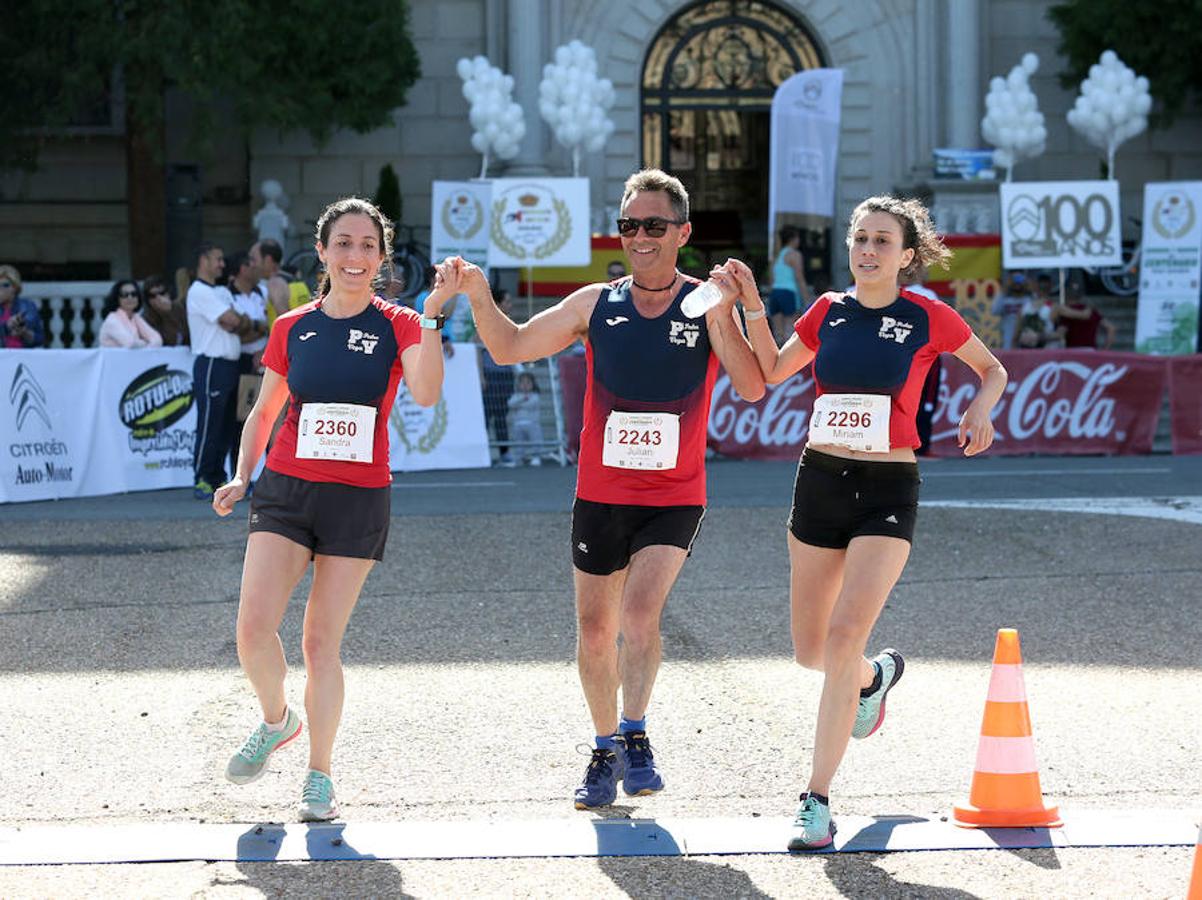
899, 454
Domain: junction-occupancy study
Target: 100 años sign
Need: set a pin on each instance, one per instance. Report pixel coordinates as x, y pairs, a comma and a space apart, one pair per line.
1060, 224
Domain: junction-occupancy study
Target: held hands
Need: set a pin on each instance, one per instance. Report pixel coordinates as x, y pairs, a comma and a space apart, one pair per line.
975, 423
446, 286
725, 282
471, 278
749, 291
227, 495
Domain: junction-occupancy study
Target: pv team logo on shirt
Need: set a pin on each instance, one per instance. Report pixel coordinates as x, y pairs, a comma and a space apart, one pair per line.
683, 333
362, 341
891, 329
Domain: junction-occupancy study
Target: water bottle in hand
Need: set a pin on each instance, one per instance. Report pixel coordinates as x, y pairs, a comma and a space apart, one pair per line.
701, 300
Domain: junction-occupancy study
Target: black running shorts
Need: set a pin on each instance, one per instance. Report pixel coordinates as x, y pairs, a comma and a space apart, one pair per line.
328, 518
836, 499
606, 535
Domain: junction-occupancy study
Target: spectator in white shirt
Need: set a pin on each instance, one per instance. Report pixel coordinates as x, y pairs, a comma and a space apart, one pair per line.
213, 325
123, 325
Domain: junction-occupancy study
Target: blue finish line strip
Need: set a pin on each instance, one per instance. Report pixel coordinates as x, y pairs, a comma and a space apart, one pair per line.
581, 837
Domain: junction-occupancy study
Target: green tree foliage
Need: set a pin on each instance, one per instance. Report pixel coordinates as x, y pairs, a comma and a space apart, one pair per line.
388, 194
304, 64
1161, 41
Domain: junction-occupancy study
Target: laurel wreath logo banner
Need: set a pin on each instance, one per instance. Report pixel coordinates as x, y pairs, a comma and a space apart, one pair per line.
477, 208
1167, 232
433, 434
559, 237
499, 237
563, 231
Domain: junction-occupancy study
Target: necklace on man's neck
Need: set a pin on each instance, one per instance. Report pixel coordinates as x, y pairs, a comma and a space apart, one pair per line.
651, 290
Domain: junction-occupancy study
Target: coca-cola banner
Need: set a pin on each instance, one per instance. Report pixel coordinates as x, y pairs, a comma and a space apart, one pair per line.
1185, 402
572, 375
774, 427
1060, 402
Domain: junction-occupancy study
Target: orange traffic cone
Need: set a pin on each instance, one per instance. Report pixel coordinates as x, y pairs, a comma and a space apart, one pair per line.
1005, 784
1195, 881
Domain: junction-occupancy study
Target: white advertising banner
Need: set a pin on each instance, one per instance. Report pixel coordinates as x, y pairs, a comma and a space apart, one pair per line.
145, 421
451, 433
804, 144
1060, 224
84, 423
50, 406
539, 222
1170, 268
92, 422
459, 221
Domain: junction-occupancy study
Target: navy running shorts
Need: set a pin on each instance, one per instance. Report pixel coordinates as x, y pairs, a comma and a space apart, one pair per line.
836, 499
783, 301
329, 518
606, 535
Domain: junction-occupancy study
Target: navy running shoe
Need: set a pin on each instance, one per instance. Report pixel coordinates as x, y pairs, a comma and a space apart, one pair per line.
600, 785
641, 775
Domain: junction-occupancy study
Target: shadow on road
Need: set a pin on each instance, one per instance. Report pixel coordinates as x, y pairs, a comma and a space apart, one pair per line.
132, 596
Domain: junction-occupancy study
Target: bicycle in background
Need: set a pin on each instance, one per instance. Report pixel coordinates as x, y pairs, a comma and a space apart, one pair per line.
1123, 279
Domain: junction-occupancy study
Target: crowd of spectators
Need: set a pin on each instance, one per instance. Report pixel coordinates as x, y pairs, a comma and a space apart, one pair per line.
1032, 317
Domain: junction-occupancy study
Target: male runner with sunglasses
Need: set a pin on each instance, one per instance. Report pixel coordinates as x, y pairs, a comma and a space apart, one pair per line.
640, 488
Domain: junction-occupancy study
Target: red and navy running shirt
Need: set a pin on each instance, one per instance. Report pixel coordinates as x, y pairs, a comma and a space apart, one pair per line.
859, 350
326, 360
636, 364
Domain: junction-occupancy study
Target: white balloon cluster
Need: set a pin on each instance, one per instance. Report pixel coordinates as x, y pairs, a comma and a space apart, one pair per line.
1112, 107
499, 123
1013, 122
574, 101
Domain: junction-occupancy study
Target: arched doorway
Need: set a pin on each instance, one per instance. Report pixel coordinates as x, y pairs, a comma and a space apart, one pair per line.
707, 89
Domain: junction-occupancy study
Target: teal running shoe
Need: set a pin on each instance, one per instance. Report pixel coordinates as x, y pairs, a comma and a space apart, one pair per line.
249, 763
871, 710
813, 828
317, 798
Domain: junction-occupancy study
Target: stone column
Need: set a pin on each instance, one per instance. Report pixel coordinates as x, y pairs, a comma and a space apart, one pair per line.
527, 53
963, 76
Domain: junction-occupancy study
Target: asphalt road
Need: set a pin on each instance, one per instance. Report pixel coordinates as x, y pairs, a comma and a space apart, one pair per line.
122, 695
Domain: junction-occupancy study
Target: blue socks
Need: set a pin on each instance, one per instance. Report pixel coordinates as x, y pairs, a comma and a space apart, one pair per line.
628, 726
631, 725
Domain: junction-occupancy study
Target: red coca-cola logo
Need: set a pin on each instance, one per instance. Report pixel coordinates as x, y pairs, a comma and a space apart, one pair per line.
1069, 401
1056, 398
780, 420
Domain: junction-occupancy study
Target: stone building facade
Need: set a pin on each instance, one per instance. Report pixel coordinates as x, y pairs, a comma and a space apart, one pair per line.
915, 75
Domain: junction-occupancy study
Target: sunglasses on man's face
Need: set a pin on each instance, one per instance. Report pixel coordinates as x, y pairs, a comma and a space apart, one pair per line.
158, 292
653, 225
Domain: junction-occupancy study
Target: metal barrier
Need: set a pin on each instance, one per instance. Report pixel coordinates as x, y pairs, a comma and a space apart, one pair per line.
71, 313
525, 426
70, 310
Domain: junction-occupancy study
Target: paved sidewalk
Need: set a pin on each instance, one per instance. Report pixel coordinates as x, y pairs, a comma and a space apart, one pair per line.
120, 679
